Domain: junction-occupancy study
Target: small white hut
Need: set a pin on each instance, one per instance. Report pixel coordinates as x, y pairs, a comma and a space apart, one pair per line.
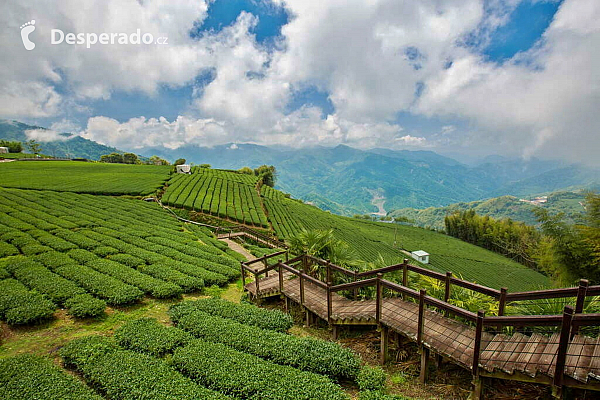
420, 256
3, 150
184, 169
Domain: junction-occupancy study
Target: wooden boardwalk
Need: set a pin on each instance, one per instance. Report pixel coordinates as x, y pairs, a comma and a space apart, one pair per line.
518, 356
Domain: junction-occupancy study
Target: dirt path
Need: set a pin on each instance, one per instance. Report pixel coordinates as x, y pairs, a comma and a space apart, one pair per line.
238, 249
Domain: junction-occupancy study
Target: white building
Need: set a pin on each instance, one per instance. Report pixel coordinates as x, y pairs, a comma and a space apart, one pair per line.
3, 150
184, 169
420, 256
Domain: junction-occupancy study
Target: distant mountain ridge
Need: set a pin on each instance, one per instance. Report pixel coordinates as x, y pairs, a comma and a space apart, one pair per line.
72, 146
343, 179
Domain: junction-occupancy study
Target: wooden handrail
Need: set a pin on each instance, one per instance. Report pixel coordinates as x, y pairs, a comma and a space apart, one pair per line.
451, 308
266, 257
523, 320
354, 285
400, 289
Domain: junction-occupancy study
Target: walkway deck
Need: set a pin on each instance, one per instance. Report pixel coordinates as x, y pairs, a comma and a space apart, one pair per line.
532, 358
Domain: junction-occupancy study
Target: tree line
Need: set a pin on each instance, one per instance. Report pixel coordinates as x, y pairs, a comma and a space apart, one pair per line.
562, 251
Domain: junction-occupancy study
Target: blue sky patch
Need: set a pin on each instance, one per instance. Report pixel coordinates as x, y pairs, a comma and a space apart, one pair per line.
223, 13
526, 25
311, 96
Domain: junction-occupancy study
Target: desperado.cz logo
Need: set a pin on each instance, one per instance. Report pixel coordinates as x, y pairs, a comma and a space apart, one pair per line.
90, 39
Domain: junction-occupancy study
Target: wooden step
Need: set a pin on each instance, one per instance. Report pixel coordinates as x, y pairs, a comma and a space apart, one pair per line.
548, 360
516, 344
491, 351
579, 357
594, 369
536, 352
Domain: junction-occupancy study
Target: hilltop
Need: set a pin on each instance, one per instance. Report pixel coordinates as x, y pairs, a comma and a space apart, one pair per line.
511, 207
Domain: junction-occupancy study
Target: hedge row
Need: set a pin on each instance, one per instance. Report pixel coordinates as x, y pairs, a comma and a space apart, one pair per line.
147, 335
210, 278
106, 287
186, 282
33, 377
19, 306
245, 376
54, 259
85, 306
155, 287
124, 374
247, 314
38, 277
7, 249
307, 354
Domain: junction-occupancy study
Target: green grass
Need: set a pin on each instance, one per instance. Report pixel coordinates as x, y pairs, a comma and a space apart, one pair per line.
84, 177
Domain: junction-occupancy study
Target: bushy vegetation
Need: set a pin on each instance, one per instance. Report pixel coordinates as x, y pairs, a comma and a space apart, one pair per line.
304, 353
224, 194
242, 375
246, 314
371, 378
32, 377
124, 375
19, 306
85, 306
147, 335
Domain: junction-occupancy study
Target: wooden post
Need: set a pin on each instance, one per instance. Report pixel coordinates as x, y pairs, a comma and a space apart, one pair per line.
405, 273
328, 278
256, 284
384, 345
477, 343
477, 380
287, 256
563, 344
335, 332
355, 290
502, 301
581, 293
329, 303
424, 364
448, 283
280, 272
378, 299
266, 265
302, 288
421, 321
243, 275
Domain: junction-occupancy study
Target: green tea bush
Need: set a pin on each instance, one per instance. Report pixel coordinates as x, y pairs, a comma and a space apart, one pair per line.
304, 353
371, 378
379, 395
54, 259
125, 375
38, 277
82, 256
106, 287
85, 306
209, 277
103, 251
246, 376
7, 249
127, 259
19, 306
55, 242
32, 377
155, 287
35, 248
147, 335
186, 282
247, 314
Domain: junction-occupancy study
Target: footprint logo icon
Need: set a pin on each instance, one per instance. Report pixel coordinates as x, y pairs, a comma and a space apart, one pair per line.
26, 29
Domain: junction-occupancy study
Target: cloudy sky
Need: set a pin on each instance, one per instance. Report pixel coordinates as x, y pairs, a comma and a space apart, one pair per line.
477, 77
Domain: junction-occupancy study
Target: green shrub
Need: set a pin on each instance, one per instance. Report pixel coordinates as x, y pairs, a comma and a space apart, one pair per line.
209, 277
35, 248
304, 353
155, 287
7, 249
242, 375
247, 314
103, 251
55, 242
379, 395
32, 377
54, 259
187, 283
127, 259
19, 306
106, 287
82, 256
38, 277
124, 374
85, 306
147, 335
371, 378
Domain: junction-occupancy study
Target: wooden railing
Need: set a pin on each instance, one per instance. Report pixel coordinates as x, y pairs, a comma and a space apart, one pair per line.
251, 233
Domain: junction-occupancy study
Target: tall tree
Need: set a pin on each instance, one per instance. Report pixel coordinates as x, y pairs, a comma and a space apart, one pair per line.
33, 146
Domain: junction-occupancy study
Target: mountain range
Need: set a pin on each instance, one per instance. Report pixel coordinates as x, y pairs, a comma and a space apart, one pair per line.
348, 181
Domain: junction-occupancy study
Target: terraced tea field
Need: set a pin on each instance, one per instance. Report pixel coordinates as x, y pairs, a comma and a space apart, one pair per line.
223, 194
84, 177
82, 252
